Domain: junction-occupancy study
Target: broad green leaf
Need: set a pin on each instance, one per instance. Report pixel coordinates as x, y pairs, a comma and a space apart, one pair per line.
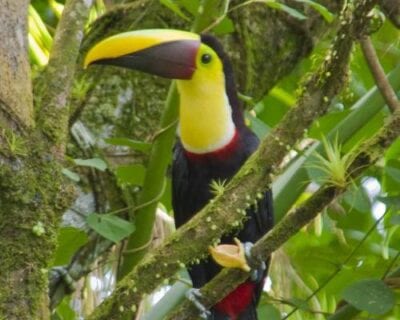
96, 163
190, 5
257, 126
110, 226
370, 295
283, 96
174, 7
271, 110
131, 174
64, 311
133, 144
370, 127
224, 27
393, 152
323, 11
358, 199
391, 176
69, 240
268, 311
71, 175
325, 124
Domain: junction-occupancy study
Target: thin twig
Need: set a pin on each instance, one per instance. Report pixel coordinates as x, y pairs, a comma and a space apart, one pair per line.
379, 74
390, 266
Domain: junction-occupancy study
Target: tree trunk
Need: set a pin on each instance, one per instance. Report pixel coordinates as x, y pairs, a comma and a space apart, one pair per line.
33, 193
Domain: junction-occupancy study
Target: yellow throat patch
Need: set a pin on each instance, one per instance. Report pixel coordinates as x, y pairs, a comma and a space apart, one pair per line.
205, 121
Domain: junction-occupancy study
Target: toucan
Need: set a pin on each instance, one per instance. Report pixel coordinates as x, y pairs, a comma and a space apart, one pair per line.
213, 139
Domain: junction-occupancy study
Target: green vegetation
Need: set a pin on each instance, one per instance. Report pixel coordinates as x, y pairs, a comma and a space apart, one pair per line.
336, 182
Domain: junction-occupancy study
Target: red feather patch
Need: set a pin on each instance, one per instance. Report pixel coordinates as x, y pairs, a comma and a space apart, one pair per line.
237, 301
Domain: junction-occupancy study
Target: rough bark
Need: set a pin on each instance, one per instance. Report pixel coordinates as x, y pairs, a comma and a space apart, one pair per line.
33, 191
16, 103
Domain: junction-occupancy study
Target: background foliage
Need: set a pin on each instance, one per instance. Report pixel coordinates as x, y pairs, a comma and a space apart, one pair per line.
343, 255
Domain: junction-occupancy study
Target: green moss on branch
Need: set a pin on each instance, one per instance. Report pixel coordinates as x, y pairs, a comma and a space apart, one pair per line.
33, 196
53, 89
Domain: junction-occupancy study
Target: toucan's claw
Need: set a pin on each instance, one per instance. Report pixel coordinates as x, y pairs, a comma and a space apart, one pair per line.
256, 273
194, 296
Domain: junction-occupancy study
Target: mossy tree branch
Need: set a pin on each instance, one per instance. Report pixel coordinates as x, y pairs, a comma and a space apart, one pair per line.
54, 86
379, 74
224, 213
227, 280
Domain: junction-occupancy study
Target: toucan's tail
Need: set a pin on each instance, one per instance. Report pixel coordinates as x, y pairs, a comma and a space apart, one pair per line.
249, 314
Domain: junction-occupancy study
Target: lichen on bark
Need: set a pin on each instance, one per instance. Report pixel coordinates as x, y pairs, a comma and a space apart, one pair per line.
33, 190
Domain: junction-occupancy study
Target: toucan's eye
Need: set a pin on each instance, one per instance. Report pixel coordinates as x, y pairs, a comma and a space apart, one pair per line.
206, 58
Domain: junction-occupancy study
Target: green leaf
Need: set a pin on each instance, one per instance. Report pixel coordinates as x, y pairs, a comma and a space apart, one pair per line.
69, 240
110, 226
133, 144
392, 169
357, 198
257, 126
96, 163
268, 311
370, 295
391, 176
280, 6
170, 4
131, 175
284, 96
395, 219
191, 6
323, 11
325, 124
391, 201
224, 27
64, 311
70, 174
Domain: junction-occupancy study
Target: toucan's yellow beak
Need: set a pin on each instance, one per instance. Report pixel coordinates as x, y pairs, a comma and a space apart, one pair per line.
163, 52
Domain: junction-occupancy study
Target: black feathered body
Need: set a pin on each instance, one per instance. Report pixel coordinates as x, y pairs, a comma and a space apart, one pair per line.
191, 192
191, 179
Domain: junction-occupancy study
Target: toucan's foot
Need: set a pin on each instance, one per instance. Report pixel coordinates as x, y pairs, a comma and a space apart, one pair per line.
258, 268
60, 275
194, 296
